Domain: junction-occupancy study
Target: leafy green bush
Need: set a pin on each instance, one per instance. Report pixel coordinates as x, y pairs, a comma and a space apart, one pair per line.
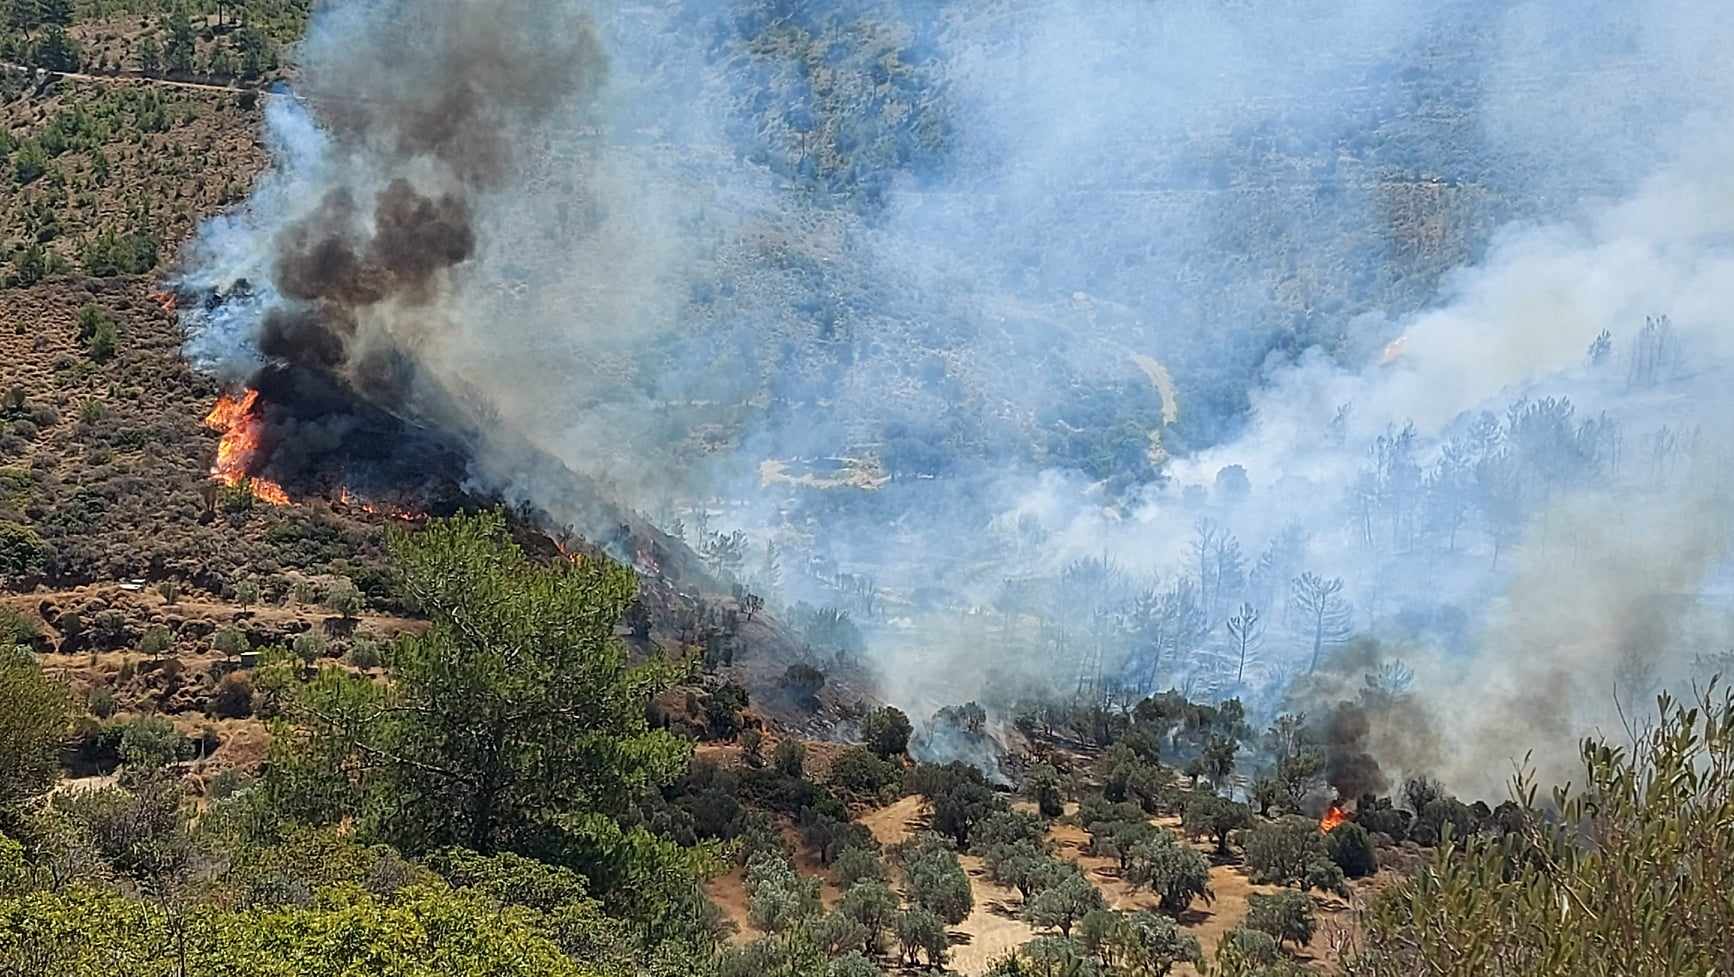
1175, 872
1060, 906
1630, 876
1285, 916
860, 771
1351, 848
1279, 853
1043, 786
17, 629
886, 731
22, 552
938, 883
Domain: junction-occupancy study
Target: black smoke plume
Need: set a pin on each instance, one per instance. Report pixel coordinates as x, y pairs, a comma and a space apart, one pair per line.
425, 110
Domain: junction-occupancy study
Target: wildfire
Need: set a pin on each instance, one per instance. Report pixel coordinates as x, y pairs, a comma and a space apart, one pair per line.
1337, 815
350, 500
167, 300
234, 419
1394, 350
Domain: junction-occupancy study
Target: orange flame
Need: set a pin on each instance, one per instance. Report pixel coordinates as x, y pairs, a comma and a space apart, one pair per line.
1333, 818
233, 417
349, 499
1394, 350
167, 300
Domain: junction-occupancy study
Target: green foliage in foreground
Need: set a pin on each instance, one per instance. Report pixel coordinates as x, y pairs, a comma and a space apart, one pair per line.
421, 931
1635, 875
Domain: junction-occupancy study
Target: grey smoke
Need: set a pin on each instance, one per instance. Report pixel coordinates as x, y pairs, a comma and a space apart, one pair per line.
952, 238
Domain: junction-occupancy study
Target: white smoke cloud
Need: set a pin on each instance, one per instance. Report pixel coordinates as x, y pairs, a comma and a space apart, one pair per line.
663, 295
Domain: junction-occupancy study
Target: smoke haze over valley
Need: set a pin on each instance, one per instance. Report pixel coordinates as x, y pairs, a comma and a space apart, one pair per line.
1368, 359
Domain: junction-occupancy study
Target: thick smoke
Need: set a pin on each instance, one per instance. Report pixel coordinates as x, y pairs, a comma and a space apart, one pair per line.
1055, 342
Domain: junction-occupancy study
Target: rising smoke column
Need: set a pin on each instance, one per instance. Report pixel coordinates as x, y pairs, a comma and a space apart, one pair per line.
1095, 214
417, 115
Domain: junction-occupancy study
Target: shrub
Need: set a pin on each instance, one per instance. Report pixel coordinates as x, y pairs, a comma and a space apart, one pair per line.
169, 589
1280, 853
1351, 848
155, 641
344, 599
1175, 872
1325, 876
1043, 787
1543, 904
96, 330
1208, 814
857, 769
231, 642
152, 742
803, 681
858, 864
309, 647
886, 731
920, 931
101, 702
752, 743
790, 757
1443, 813
1246, 951
364, 653
938, 883
22, 552
233, 698
1061, 905
17, 629
1285, 916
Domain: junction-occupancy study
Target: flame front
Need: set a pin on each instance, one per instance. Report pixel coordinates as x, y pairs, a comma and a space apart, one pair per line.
234, 418
1333, 817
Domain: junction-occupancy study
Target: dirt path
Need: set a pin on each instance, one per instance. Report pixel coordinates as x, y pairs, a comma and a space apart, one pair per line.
898, 822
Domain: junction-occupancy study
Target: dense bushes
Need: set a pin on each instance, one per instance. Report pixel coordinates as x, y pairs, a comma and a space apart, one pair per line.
1351, 848
886, 731
1642, 900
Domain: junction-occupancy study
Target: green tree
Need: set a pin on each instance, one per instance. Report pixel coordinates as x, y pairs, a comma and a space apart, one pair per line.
178, 50
1648, 897
1285, 916
1279, 853
937, 882
514, 721
1351, 848
150, 55
920, 931
55, 50
1175, 872
886, 731
777, 899
1207, 814
872, 904
1061, 905
1043, 787
34, 713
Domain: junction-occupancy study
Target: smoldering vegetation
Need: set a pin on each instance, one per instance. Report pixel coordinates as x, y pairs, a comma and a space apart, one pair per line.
1353, 359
